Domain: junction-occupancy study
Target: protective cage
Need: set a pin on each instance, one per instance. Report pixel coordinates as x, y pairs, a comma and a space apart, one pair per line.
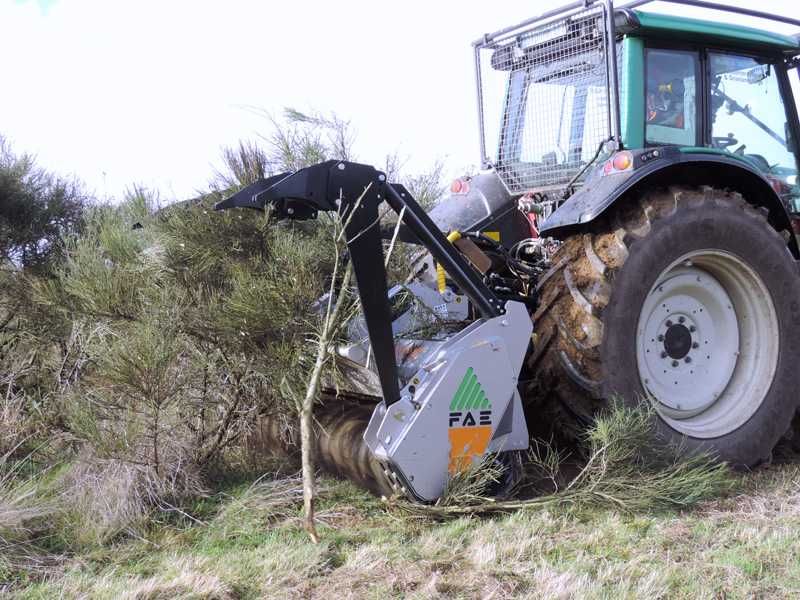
547, 95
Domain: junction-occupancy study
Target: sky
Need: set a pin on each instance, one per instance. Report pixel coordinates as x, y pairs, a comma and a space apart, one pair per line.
118, 92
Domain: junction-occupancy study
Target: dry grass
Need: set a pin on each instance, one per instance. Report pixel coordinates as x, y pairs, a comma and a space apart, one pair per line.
249, 542
187, 580
266, 502
19, 505
102, 498
23, 513
252, 546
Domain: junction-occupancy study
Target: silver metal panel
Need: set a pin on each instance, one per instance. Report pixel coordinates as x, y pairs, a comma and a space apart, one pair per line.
413, 436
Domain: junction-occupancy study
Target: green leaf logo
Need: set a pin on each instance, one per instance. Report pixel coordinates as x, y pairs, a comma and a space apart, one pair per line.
470, 394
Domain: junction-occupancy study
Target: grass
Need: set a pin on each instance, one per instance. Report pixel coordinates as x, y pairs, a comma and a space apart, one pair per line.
638, 520
248, 543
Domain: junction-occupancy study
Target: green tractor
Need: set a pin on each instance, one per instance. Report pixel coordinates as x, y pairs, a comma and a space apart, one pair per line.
630, 235
663, 152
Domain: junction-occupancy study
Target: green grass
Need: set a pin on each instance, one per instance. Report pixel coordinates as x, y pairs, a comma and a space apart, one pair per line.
250, 545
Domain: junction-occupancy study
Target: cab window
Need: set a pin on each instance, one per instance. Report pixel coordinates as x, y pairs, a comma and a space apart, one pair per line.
748, 117
671, 93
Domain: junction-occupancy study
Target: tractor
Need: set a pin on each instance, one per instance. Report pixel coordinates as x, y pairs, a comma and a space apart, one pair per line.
630, 236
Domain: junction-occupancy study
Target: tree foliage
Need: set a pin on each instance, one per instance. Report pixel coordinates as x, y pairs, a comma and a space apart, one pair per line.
37, 208
163, 334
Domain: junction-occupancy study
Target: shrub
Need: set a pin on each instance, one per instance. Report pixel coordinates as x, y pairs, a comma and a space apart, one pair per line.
37, 208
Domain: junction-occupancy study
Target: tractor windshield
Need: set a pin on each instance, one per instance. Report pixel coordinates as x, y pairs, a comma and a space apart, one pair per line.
544, 96
562, 117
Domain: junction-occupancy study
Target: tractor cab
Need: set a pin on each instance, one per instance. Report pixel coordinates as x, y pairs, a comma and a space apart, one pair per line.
718, 92
574, 87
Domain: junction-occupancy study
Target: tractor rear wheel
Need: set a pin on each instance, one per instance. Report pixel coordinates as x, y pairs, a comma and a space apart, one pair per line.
687, 298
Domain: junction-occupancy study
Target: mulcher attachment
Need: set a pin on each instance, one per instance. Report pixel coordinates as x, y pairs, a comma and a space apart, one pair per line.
462, 404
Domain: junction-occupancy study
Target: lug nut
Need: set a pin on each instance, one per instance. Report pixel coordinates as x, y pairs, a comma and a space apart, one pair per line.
688, 359
695, 345
692, 328
669, 323
674, 363
663, 355
660, 338
681, 319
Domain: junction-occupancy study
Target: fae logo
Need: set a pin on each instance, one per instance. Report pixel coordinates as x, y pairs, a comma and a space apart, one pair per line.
470, 424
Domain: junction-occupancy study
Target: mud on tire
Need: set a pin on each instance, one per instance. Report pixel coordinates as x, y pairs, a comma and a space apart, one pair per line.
590, 302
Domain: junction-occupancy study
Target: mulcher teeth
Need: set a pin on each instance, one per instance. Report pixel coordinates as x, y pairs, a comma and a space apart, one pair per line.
397, 486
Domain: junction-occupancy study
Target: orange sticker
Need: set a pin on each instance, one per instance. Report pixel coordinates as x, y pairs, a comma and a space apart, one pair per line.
465, 444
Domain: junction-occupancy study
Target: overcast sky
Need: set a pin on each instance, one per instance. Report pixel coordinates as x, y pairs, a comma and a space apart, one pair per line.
124, 91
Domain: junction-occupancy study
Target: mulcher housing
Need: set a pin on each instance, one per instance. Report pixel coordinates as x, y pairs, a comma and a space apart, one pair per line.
464, 396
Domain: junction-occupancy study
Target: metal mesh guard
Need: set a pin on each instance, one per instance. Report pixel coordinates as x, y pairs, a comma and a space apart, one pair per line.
545, 100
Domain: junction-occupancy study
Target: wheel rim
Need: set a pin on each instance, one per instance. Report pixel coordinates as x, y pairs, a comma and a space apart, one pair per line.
707, 343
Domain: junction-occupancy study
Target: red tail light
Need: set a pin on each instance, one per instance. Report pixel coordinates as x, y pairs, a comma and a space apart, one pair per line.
459, 186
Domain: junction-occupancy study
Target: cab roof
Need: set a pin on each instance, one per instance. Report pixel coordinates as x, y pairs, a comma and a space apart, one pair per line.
647, 23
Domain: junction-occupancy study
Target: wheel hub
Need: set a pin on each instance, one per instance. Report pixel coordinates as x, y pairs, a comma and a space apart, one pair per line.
688, 341
677, 341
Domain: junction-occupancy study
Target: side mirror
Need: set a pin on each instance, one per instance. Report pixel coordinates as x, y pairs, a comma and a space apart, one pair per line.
759, 73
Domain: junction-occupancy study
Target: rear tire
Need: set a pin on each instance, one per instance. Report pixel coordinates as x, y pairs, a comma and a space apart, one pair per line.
687, 298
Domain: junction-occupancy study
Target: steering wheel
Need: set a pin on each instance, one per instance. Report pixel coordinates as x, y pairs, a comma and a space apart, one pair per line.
724, 142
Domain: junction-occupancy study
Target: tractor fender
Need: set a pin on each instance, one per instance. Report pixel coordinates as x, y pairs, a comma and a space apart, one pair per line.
661, 167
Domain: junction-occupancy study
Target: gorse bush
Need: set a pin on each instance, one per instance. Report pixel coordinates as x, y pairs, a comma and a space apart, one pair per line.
190, 340
189, 325
37, 209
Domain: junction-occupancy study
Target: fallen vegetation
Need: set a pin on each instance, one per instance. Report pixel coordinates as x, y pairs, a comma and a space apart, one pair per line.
628, 468
247, 541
